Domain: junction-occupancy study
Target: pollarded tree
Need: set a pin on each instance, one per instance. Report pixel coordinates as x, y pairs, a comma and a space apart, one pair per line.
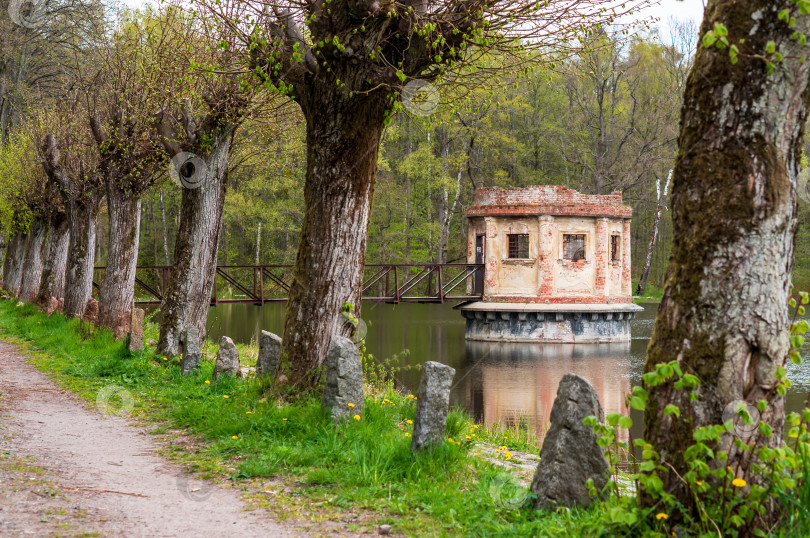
25, 189
70, 158
724, 314
204, 109
345, 62
122, 95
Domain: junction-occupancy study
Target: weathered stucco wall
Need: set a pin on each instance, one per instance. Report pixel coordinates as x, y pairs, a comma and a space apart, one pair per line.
545, 276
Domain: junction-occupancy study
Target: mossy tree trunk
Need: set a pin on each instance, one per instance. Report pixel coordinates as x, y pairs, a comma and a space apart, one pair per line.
81, 194
118, 286
343, 136
12, 269
188, 294
724, 314
34, 259
82, 220
53, 273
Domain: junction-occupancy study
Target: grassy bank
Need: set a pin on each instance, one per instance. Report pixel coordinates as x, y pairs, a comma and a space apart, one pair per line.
319, 471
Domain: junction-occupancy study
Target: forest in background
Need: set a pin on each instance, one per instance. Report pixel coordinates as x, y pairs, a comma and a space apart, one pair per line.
606, 121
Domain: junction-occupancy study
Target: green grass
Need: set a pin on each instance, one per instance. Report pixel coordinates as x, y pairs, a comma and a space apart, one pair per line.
652, 294
363, 466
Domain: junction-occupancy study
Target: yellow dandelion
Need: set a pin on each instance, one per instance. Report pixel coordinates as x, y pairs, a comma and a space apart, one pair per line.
476, 453
661, 515
356, 417
351, 404
234, 437
409, 421
284, 419
508, 455
165, 359
698, 483
248, 412
738, 483
225, 396
207, 381
468, 437
407, 434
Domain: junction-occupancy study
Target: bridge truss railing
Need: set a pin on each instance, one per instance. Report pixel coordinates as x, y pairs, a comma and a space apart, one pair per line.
259, 284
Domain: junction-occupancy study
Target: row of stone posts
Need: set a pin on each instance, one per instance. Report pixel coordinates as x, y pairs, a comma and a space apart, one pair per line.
570, 455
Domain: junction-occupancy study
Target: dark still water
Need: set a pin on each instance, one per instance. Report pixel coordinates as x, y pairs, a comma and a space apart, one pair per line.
498, 383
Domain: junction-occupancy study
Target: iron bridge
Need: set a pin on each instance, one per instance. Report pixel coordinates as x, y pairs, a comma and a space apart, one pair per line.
384, 283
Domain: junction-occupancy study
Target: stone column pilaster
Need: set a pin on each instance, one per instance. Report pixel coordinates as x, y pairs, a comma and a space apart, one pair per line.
601, 257
626, 265
546, 256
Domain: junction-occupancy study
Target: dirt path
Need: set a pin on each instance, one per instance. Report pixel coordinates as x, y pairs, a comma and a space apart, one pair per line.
66, 469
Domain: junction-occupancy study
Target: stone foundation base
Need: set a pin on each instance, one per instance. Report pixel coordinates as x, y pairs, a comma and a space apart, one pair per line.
549, 323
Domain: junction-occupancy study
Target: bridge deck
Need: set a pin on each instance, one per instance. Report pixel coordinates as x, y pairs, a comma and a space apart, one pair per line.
384, 283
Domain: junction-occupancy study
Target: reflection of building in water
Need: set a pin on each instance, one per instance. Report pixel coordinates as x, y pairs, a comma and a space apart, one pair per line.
506, 382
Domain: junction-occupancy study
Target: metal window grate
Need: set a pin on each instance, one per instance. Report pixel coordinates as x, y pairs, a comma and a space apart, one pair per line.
518, 245
574, 247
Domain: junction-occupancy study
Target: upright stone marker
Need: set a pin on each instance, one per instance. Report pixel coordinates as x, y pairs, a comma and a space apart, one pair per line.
227, 358
192, 354
432, 404
269, 352
136, 330
91, 312
53, 306
570, 455
344, 380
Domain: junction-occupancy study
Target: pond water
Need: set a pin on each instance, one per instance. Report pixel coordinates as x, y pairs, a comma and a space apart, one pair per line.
498, 383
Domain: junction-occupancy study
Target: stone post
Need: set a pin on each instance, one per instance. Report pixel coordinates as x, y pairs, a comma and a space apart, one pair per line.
269, 352
432, 404
601, 257
626, 265
135, 329
571, 454
546, 256
227, 362
343, 389
192, 354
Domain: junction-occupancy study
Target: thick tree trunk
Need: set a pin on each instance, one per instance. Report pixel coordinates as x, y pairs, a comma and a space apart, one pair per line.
724, 314
34, 259
15, 255
343, 137
188, 295
53, 273
118, 287
82, 215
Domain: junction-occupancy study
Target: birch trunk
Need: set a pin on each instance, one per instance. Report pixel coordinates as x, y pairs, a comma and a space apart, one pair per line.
12, 270
258, 243
188, 293
167, 261
724, 313
343, 137
52, 283
645, 273
118, 287
34, 259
